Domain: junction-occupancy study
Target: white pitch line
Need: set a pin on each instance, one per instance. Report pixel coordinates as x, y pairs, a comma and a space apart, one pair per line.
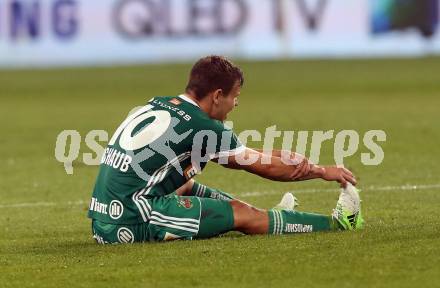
42, 204
246, 194
369, 188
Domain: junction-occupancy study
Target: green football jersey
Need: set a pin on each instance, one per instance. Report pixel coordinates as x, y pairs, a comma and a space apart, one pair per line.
153, 152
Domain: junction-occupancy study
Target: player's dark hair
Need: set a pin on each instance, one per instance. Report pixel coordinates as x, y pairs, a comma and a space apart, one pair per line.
211, 73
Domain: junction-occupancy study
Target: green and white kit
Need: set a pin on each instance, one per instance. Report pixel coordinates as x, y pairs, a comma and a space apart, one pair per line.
152, 153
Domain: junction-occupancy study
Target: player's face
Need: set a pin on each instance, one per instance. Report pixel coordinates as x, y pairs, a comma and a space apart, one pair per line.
226, 103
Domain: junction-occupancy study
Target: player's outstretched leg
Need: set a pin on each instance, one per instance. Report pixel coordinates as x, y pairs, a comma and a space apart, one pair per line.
250, 220
346, 216
220, 216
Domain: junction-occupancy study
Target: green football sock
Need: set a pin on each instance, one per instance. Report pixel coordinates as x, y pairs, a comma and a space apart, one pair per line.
203, 191
287, 221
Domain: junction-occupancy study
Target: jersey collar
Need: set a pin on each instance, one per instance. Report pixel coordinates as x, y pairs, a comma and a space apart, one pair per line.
187, 99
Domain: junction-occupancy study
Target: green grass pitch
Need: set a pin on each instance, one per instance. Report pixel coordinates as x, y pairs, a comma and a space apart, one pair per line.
45, 238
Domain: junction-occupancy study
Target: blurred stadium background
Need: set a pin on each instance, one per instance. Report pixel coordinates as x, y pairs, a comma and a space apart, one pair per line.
309, 65
76, 32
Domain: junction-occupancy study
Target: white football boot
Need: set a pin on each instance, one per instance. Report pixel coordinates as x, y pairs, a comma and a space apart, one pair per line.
288, 202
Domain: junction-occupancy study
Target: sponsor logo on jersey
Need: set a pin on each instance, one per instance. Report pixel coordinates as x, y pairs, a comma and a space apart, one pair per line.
175, 101
179, 112
125, 235
299, 228
97, 206
116, 209
185, 202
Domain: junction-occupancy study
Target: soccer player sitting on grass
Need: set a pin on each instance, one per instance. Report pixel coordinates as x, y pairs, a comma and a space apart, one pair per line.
145, 192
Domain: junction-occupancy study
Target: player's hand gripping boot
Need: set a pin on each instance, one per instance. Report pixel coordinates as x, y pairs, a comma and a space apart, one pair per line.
348, 209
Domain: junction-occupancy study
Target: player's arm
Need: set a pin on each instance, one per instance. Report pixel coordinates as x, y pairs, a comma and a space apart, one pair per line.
287, 167
275, 153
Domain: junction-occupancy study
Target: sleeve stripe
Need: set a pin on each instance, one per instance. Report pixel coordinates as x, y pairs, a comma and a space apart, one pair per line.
228, 153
